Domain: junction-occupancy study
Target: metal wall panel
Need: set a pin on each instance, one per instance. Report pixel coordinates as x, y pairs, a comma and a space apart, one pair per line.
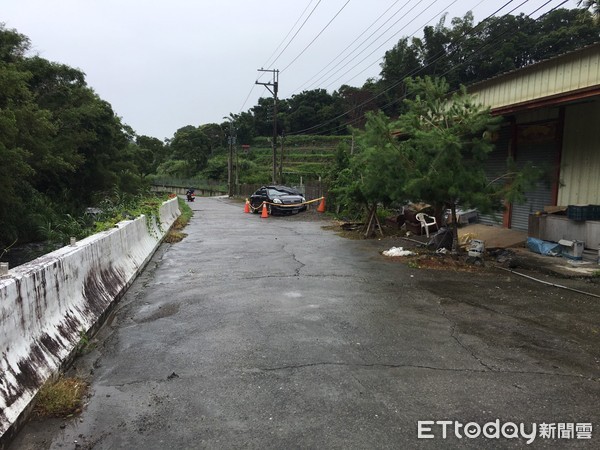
570, 72
580, 166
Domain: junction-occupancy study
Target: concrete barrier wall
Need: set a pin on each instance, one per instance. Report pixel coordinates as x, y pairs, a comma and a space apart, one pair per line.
182, 190
47, 304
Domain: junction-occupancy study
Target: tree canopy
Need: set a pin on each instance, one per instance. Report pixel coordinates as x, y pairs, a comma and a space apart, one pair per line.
61, 145
434, 153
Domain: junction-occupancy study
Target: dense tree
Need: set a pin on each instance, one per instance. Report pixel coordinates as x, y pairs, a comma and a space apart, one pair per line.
155, 150
244, 127
562, 31
466, 53
310, 108
375, 174
593, 6
445, 148
216, 135
61, 145
191, 147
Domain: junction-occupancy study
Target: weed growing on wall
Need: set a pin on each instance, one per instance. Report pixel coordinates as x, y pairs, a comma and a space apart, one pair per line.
175, 234
61, 398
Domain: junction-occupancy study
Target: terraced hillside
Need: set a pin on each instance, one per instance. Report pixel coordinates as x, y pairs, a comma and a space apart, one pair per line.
303, 156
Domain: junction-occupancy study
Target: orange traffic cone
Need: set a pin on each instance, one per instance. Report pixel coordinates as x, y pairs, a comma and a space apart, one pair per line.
265, 213
247, 207
321, 207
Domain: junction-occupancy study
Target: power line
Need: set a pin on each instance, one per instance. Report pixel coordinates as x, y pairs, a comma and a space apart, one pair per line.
413, 72
316, 37
353, 42
296, 34
281, 43
435, 57
438, 56
389, 39
266, 64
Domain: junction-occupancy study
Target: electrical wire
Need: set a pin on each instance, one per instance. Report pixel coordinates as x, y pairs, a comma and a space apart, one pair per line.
355, 40
439, 55
483, 46
327, 75
247, 97
316, 37
474, 53
275, 51
296, 34
437, 58
391, 37
266, 64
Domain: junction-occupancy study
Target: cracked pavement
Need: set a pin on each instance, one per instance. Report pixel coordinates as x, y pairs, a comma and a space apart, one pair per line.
276, 333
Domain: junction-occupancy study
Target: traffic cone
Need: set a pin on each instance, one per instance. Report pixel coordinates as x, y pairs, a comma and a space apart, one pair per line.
247, 206
321, 207
265, 213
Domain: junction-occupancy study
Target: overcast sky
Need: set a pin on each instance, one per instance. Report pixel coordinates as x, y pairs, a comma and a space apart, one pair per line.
170, 63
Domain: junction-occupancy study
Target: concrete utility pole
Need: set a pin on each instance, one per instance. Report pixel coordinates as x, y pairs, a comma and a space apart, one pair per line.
281, 158
274, 84
230, 159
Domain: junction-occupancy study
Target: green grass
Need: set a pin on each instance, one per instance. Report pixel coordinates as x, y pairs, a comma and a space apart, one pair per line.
175, 234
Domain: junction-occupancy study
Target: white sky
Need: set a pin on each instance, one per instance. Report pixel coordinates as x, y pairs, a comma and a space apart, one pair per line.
170, 63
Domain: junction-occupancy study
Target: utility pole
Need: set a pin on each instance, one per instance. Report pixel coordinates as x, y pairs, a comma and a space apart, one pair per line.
281, 158
274, 84
230, 159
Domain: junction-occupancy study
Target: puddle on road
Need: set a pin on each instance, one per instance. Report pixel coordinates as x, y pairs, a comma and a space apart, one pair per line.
163, 311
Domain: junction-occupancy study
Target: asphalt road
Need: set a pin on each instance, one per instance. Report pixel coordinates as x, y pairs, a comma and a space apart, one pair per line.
276, 333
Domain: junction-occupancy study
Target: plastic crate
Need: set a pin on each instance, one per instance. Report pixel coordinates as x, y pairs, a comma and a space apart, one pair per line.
578, 212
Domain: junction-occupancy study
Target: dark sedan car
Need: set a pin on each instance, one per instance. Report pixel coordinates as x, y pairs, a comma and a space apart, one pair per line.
289, 198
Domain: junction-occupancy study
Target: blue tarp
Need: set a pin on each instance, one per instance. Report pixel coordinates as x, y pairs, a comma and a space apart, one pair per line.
543, 247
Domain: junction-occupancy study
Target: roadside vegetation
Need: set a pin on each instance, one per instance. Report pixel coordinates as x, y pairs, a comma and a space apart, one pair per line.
434, 154
176, 233
63, 397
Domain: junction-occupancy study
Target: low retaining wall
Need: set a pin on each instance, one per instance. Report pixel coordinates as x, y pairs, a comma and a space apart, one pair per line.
182, 191
47, 304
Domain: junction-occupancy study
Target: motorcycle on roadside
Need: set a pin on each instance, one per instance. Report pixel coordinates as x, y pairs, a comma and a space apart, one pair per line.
190, 195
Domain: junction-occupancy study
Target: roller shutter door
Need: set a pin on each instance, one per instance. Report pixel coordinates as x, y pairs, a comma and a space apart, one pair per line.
495, 166
543, 156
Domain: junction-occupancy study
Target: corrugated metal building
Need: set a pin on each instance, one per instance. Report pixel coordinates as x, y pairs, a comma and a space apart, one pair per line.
552, 120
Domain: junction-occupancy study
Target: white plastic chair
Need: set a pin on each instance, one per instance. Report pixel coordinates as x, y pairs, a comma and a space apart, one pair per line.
426, 221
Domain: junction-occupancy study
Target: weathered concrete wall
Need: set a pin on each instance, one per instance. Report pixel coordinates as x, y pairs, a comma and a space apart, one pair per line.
182, 190
47, 304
